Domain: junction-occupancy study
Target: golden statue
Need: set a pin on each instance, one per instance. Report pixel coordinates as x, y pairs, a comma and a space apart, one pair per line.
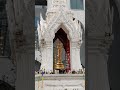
59, 65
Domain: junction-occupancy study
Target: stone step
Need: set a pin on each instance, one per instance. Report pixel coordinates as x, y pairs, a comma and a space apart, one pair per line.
60, 77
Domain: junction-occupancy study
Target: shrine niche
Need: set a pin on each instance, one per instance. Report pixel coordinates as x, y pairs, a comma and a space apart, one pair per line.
62, 27
61, 42
60, 39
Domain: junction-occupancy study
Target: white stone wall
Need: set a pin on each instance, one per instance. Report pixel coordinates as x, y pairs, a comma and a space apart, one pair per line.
60, 82
59, 85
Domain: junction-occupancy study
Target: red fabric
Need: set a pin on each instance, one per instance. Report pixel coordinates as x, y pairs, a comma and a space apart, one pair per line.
68, 54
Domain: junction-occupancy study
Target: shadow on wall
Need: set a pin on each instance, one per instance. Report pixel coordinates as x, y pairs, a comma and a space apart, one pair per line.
82, 48
37, 65
114, 56
5, 86
82, 53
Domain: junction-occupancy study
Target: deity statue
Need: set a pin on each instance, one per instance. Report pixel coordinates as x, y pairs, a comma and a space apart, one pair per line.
59, 65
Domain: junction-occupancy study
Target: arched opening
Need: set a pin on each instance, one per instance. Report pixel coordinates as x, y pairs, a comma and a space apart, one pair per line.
61, 36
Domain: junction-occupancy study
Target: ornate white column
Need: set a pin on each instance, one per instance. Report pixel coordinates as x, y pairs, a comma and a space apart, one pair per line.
43, 52
47, 56
75, 56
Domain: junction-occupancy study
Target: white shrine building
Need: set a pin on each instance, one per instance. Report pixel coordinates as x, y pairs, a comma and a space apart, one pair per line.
63, 22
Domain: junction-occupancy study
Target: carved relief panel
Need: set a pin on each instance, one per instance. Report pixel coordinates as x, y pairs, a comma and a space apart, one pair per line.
57, 3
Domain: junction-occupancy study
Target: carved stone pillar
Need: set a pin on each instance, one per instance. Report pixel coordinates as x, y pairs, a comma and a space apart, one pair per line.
25, 65
47, 56
21, 26
97, 64
75, 56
